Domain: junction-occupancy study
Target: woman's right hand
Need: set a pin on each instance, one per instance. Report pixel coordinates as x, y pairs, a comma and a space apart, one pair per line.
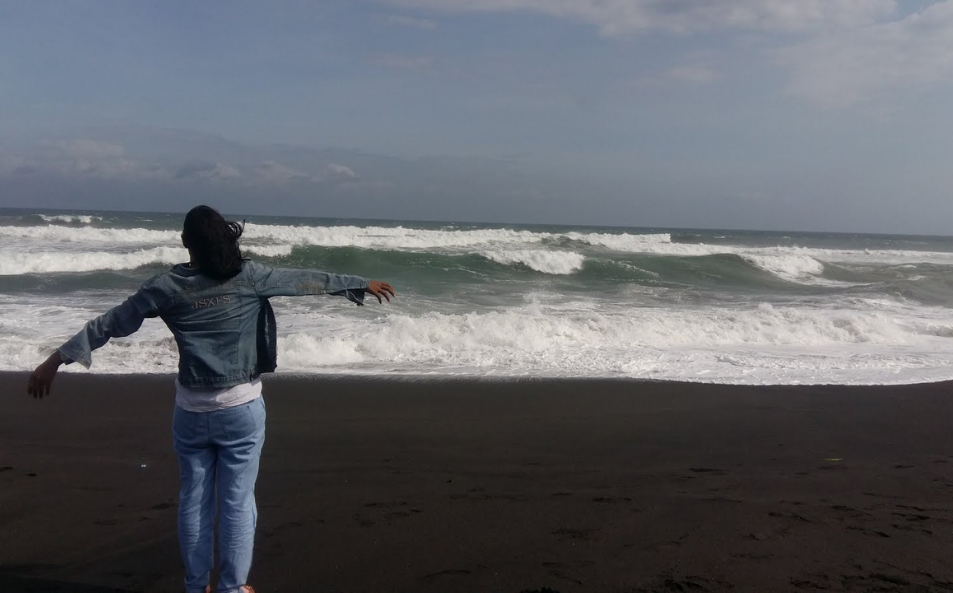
380, 289
42, 378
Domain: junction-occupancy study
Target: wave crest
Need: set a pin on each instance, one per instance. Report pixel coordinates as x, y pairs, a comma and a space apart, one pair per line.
14, 262
795, 268
68, 218
268, 250
91, 235
547, 262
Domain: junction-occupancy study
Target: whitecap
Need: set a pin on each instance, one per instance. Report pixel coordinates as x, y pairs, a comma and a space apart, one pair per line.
548, 262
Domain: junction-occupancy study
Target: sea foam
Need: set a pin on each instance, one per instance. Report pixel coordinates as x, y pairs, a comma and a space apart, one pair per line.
68, 218
548, 262
760, 344
795, 267
88, 235
278, 239
15, 262
777, 344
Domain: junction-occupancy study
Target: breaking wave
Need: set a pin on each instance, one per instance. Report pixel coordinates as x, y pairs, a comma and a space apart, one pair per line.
12, 262
755, 345
795, 268
547, 262
540, 301
68, 218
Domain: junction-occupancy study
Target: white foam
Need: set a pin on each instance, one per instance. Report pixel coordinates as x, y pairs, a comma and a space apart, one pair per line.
624, 241
24, 262
83, 218
548, 262
88, 235
311, 351
661, 244
17, 262
790, 267
31, 328
762, 344
765, 344
268, 250
855, 339
449, 240
391, 238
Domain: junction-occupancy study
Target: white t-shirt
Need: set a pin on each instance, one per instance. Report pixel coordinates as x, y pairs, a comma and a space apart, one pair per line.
209, 400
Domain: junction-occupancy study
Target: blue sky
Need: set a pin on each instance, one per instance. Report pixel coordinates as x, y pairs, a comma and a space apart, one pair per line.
775, 114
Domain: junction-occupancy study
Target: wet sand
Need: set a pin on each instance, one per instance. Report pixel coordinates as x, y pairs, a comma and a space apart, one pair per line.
459, 486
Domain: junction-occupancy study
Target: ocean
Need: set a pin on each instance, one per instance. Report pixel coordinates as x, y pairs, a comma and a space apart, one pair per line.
499, 300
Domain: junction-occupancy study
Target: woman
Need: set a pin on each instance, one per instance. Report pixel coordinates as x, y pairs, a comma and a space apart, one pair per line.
217, 309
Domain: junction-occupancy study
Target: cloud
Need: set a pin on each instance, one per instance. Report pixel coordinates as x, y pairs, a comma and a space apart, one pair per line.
341, 171
844, 52
336, 174
616, 17
693, 71
108, 168
190, 168
873, 62
252, 167
407, 21
79, 156
206, 170
276, 172
85, 148
691, 74
15, 164
403, 62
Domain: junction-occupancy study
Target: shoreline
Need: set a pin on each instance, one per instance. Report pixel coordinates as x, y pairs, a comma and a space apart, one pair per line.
389, 485
489, 379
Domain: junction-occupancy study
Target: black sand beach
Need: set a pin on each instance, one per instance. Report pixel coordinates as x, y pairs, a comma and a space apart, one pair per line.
438, 485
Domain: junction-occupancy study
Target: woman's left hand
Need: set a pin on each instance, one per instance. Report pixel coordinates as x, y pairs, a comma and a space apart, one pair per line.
380, 289
42, 378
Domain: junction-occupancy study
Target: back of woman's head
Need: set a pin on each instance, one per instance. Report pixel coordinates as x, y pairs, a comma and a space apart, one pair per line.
213, 242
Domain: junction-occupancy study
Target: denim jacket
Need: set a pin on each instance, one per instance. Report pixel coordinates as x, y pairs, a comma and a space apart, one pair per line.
225, 330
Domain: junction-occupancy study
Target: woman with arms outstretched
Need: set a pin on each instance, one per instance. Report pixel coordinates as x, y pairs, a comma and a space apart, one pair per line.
216, 307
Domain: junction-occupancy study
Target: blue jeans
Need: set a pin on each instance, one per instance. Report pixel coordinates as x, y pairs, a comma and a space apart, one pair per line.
220, 448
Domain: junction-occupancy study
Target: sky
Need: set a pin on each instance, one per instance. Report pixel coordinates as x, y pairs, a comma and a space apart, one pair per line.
823, 115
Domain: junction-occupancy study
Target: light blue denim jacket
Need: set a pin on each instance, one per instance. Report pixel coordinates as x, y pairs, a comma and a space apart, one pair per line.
225, 330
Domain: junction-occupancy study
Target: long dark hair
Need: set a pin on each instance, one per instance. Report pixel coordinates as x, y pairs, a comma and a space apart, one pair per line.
213, 241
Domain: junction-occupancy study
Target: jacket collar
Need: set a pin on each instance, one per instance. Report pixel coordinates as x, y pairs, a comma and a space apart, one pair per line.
184, 270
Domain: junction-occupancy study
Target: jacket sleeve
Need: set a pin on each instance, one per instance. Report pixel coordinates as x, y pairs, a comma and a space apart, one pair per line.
117, 322
271, 282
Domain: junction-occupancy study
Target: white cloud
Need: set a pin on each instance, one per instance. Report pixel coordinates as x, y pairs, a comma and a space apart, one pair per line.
79, 159
80, 156
276, 172
207, 170
874, 62
15, 164
691, 74
694, 70
403, 62
84, 148
614, 17
107, 168
339, 173
407, 21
